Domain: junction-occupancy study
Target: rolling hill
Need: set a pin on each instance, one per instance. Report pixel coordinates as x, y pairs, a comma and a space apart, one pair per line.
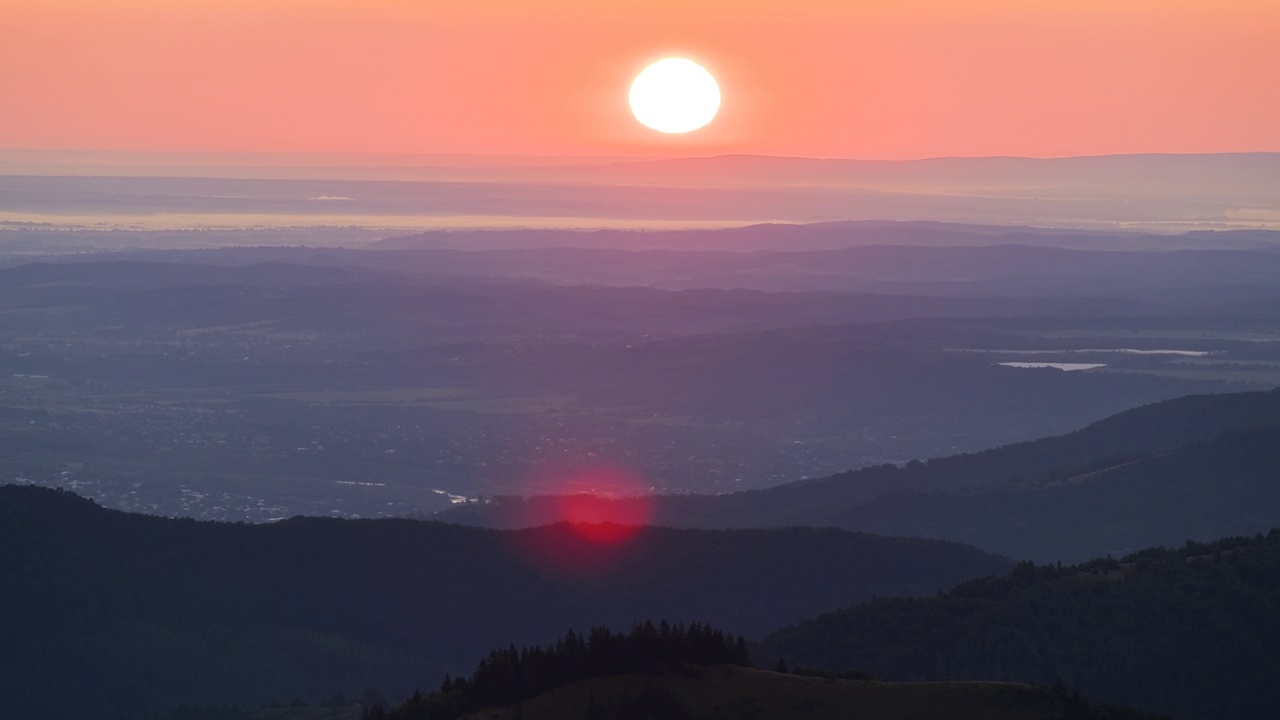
120, 612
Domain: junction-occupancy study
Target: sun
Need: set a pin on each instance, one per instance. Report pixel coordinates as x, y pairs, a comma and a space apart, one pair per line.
674, 95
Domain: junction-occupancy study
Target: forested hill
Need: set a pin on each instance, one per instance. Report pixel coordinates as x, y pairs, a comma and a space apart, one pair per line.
511, 676
734, 693
119, 612
1196, 467
673, 672
1193, 631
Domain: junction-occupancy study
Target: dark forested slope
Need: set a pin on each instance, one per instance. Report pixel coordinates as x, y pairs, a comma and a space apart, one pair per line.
674, 673
1193, 631
115, 612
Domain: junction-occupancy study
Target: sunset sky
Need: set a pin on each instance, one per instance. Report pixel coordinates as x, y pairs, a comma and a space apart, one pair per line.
876, 79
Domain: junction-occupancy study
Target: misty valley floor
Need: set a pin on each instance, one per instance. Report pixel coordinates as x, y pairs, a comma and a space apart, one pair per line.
838, 450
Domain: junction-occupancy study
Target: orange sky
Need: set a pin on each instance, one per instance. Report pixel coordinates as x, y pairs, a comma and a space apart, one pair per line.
827, 78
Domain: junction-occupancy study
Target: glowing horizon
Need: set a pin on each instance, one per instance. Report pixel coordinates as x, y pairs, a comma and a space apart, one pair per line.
810, 78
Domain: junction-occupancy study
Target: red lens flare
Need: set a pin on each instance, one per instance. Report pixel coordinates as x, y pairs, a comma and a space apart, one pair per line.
614, 509
594, 515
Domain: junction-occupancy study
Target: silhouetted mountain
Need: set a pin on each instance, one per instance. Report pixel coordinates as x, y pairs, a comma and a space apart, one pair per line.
1193, 631
120, 612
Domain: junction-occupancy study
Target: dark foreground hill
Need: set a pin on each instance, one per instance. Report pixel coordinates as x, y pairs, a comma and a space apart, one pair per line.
104, 612
674, 672
1197, 467
677, 673
1193, 631
733, 693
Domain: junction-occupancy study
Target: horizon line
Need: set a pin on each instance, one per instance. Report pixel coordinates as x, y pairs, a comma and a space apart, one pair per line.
548, 160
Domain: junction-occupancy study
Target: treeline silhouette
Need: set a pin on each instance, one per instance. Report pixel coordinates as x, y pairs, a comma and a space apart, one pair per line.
512, 675
1192, 631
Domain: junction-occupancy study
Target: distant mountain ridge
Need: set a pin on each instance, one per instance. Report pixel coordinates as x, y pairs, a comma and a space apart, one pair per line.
834, 235
1112, 487
1138, 172
1166, 193
1106, 274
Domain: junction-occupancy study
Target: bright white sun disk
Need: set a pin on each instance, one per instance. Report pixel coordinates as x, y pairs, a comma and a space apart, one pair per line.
674, 95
